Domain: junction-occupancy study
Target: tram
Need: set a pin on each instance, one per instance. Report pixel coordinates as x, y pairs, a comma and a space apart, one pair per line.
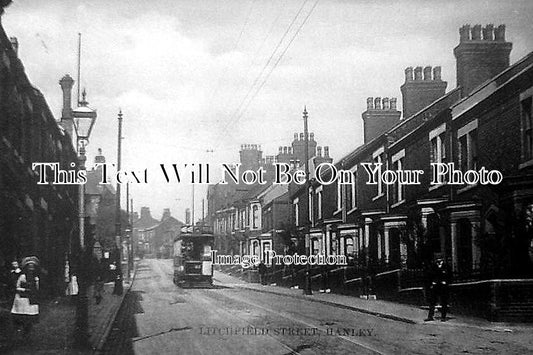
193, 266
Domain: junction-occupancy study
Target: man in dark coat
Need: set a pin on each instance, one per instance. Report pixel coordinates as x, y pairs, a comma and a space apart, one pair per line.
440, 277
262, 273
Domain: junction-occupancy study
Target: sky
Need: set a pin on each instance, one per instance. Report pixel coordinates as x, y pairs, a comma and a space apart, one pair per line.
196, 79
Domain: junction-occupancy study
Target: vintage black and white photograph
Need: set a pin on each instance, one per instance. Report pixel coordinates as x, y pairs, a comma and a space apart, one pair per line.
266, 177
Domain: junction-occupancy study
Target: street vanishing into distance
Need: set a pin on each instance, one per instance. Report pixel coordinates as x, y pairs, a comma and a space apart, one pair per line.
159, 317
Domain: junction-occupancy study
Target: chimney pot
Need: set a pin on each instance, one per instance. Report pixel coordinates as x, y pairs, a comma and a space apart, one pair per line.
418, 73
464, 33
408, 74
488, 32
370, 103
326, 152
377, 103
499, 33
427, 73
476, 33
437, 73
301, 136
385, 102
393, 103
319, 151
312, 136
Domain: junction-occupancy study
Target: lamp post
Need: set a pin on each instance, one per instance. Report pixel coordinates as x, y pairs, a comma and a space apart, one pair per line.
84, 118
307, 288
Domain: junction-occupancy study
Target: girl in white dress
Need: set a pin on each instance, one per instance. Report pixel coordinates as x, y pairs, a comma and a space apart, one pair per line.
25, 310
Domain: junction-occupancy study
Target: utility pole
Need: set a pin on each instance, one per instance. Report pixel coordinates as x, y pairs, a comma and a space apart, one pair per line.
203, 211
307, 288
192, 210
128, 231
119, 288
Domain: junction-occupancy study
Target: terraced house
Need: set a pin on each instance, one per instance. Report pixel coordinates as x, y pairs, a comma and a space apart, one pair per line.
479, 132
254, 219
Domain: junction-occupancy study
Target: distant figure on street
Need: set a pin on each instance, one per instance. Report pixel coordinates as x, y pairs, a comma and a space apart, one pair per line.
262, 273
439, 279
99, 281
25, 310
118, 289
324, 272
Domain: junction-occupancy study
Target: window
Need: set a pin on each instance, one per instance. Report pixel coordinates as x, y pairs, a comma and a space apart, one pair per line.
319, 202
255, 217
437, 144
296, 214
352, 190
267, 247
467, 136
315, 245
349, 246
378, 158
398, 189
243, 219
527, 129
339, 196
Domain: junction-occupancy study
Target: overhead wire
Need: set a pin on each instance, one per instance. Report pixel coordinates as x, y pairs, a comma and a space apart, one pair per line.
235, 46
238, 115
258, 77
278, 60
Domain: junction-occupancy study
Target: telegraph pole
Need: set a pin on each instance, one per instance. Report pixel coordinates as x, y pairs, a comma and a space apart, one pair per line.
119, 288
307, 287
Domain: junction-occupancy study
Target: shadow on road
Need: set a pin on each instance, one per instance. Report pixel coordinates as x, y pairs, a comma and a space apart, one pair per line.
124, 328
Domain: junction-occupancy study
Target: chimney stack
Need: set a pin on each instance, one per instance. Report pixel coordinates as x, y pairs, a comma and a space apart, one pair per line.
421, 91
480, 58
381, 114
67, 122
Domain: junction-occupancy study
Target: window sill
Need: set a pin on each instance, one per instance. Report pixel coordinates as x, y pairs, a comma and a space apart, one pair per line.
352, 210
526, 164
434, 187
378, 196
397, 203
466, 188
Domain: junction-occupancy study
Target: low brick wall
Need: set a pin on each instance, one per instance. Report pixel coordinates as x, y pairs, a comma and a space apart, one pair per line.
495, 300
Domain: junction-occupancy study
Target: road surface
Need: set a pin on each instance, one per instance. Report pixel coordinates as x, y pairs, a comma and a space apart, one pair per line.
158, 317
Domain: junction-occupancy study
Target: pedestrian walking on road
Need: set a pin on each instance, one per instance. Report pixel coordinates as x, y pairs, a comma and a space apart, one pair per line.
118, 289
25, 309
440, 277
99, 281
262, 273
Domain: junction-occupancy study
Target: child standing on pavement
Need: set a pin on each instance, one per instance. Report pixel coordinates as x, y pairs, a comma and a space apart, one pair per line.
25, 310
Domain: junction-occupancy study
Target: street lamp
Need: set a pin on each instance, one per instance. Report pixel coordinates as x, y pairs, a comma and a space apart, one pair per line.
84, 118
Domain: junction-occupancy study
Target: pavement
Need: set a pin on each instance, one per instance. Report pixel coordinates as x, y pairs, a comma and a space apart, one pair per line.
384, 309
54, 332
